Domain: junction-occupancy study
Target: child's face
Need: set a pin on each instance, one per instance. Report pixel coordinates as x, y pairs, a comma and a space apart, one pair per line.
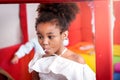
50, 38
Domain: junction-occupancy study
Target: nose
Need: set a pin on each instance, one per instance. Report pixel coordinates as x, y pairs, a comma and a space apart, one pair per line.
45, 41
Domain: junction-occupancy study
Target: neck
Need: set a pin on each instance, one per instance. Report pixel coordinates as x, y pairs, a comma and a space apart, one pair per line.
62, 51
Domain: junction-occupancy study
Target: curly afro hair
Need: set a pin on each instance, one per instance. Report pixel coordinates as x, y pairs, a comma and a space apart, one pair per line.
60, 13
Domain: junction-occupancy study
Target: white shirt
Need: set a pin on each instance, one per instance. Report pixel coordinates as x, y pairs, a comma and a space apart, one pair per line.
56, 67
27, 47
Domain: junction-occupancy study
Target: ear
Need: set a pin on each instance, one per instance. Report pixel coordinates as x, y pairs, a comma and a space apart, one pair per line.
65, 34
65, 38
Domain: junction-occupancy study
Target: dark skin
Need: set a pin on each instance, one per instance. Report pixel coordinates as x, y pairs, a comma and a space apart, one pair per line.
51, 39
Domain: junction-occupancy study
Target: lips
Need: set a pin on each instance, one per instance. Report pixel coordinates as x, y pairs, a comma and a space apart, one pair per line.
46, 50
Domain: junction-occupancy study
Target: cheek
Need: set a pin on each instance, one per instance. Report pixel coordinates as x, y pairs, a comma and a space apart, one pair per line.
40, 42
55, 46
56, 43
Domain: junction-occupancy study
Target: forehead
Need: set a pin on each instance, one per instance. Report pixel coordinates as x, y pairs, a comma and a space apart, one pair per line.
47, 27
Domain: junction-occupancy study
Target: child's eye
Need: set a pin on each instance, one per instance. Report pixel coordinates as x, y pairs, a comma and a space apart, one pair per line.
40, 37
50, 37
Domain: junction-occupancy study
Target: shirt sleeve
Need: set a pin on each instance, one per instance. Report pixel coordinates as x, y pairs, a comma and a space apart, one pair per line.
25, 48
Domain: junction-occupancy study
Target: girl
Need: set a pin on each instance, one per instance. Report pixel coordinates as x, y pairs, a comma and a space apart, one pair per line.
58, 63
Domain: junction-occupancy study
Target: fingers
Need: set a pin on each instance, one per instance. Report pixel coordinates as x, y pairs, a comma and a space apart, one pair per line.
14, 60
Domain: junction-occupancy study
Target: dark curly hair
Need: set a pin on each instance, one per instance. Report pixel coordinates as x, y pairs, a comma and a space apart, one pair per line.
60, 13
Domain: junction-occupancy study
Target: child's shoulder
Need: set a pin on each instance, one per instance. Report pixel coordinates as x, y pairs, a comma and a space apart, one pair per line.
76, 57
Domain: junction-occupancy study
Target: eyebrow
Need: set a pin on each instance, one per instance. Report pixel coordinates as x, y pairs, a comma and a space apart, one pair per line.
38, 33
47, 33
50, 33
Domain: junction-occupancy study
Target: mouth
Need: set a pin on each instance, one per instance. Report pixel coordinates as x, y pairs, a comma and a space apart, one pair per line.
46, 51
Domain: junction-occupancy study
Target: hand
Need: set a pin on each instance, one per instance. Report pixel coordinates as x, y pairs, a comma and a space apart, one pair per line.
15, 60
